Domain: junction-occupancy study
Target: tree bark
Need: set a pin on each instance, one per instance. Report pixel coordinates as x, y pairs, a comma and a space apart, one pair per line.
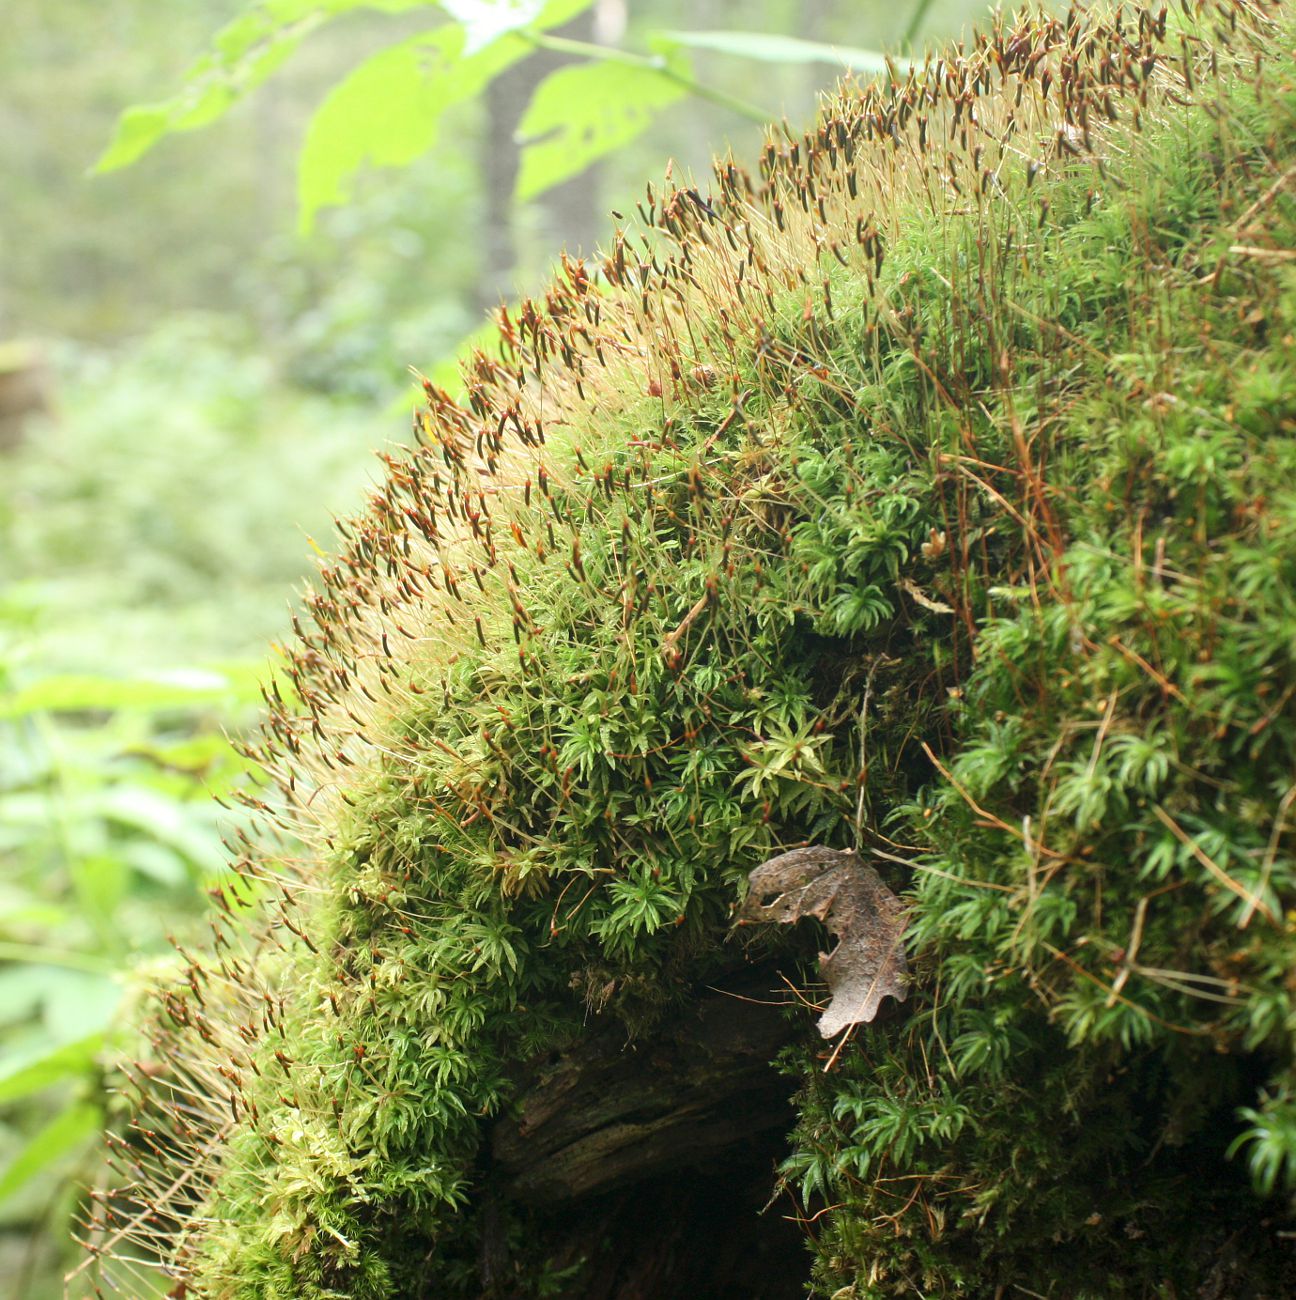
611, 1113
646, 1168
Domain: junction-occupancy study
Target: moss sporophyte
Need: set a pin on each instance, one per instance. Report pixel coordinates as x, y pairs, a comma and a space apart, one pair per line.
929, 491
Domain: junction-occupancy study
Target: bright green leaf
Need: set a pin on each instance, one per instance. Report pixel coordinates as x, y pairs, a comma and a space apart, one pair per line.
181, 689
579, 114
244, 53
22, 1075
139, 128
211, 87
64, 1133
387, 111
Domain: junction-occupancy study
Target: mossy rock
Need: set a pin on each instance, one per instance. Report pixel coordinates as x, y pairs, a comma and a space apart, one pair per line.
931, 492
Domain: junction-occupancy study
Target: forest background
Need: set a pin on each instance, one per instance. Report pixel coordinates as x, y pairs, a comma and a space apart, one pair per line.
199, 379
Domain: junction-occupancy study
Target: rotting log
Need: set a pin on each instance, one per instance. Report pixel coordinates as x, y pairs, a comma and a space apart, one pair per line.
649, 1165
612, 1112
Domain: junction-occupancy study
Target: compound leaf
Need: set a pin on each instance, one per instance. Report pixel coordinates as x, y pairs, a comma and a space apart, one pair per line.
244, 53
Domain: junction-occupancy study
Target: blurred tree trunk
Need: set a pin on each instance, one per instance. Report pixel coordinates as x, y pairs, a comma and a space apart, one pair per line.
572, 218
570, 210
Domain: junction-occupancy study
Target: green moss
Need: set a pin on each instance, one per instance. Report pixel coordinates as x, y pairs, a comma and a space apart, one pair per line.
974, 546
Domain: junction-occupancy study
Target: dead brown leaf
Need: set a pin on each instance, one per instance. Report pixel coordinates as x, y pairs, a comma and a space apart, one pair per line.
866, 918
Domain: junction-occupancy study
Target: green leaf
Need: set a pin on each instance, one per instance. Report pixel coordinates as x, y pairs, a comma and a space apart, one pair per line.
162, 819
20, 910
64, 1133
22, 988
579, 114
139, 128
185, 826
101, 883
21, 1075
156, 862
43, 955
387, 111
243, 54
181, 689
246, 52
772, 48
79, 1005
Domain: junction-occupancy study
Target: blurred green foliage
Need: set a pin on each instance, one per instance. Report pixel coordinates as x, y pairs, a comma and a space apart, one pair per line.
141, 530
155, 525
107, 831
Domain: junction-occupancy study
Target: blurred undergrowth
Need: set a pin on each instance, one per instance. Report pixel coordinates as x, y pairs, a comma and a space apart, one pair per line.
151, 544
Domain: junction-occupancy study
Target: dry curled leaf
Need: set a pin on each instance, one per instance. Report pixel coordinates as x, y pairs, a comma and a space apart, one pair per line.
865, 917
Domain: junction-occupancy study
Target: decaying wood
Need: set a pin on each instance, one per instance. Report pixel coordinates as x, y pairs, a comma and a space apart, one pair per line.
608, 1113
867, 919
644, 1165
